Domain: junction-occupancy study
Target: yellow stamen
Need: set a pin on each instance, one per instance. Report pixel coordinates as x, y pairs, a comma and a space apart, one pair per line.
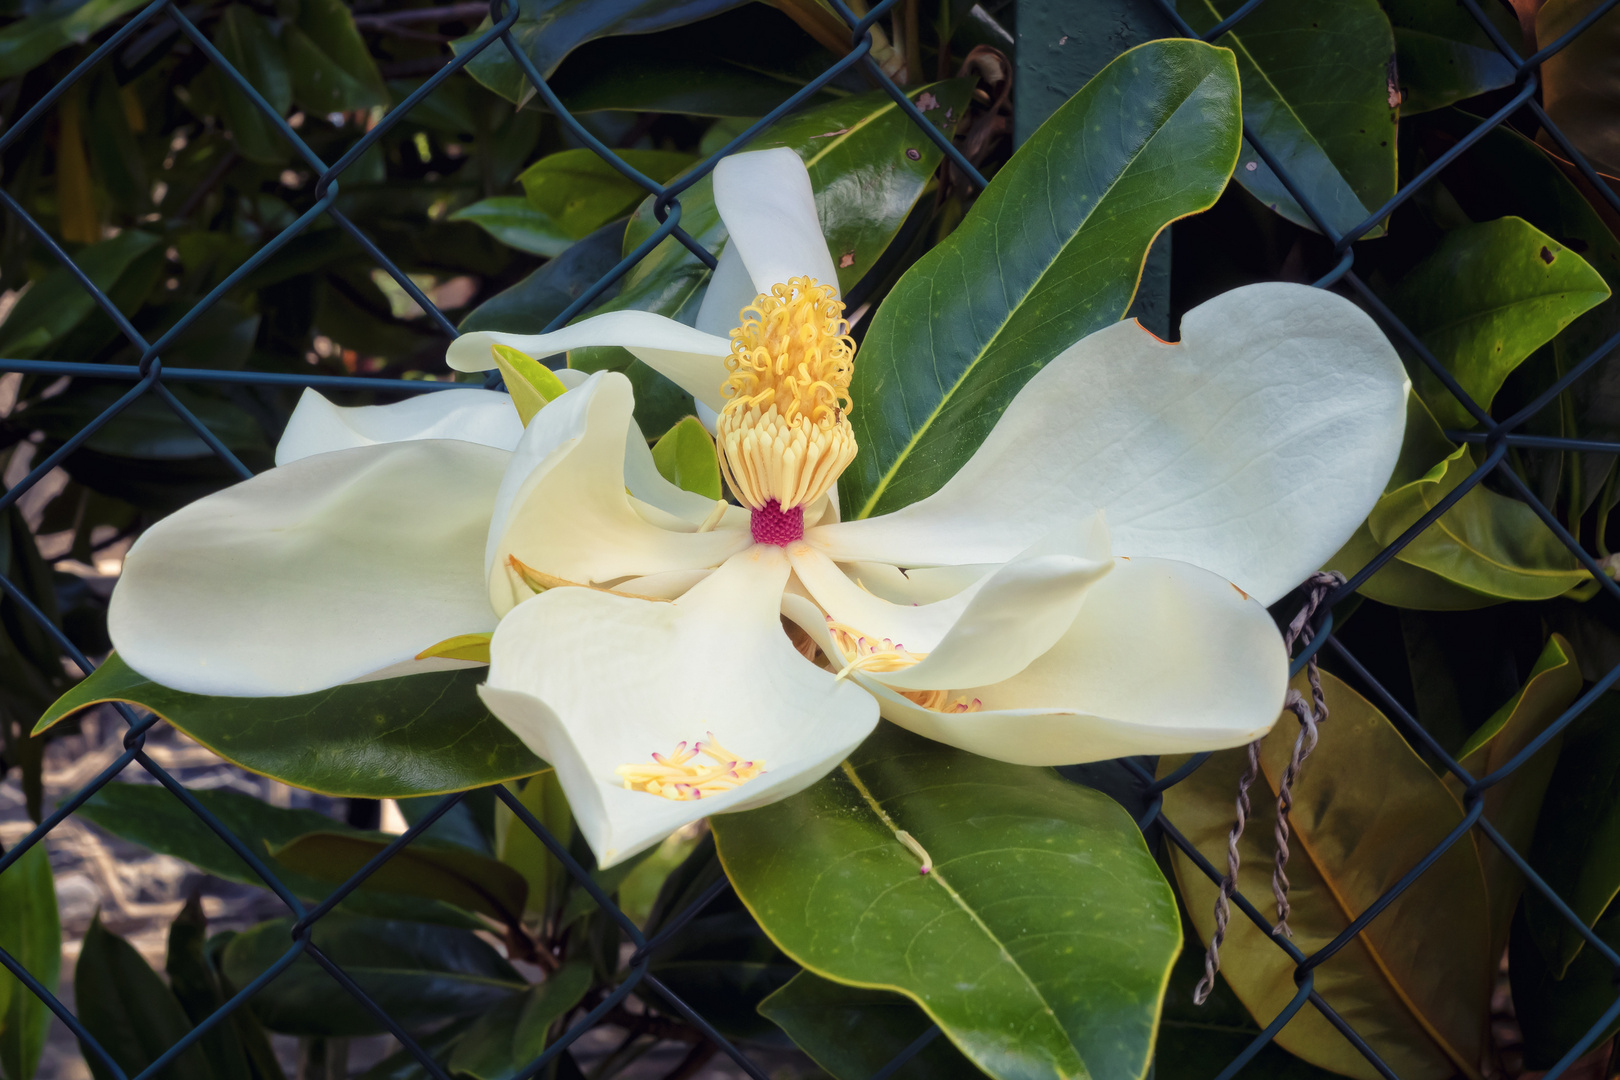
862, 653
916, 849
784, 435
673, 777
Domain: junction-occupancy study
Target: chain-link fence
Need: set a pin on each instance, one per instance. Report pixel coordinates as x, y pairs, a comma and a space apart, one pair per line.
150, 377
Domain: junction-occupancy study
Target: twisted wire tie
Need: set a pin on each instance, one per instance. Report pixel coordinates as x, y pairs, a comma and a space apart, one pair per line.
1300, 630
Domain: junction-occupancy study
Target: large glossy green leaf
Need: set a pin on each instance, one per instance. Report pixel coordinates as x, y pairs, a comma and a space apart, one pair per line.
1050, 252
518, 223
858, 152
149, 815
1514, 804
31, 935
1577, 842
129, 1011
530, 305
1484, 300
1581, 83
853, 1032
1319, 94
417, 972
425, 868
504, 1040
548, 30
1443, 55
1042, 938
1366, 809
417, 735
56, 303
581, 191
54, 26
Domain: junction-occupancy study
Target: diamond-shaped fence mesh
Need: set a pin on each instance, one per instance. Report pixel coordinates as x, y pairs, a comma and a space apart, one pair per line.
149, 376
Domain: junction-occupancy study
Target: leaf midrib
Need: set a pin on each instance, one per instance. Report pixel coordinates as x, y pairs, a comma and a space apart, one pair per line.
936, 876
1012, 310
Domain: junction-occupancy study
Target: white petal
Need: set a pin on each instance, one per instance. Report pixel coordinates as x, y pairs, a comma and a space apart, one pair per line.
312, 574
592, 681
765, 199
730, 290
987, 632
1254, 448
470, 414
693, 360
562, 507
1163, 658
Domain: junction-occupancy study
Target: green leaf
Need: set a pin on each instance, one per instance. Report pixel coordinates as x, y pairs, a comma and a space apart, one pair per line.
1555, 1013
248, 40
52, 27
1581, 85
858, 153
516, 222
57, 303
129, 1011
531, 385
417, 735
511, 1035
685, 457
148, 815
1489, 296
530, 305
1576, 849
1365, 810
517, 846
1050, 252
332, 70
237, 1046
1514, 804
418, 973
1040, 942
548, 30
581, 192
1442, 55
31, 935
852, 1032
423, 868
1319, 93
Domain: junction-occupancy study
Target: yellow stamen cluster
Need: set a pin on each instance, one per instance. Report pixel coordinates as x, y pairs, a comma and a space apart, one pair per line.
784, 433
862, 653
676, 777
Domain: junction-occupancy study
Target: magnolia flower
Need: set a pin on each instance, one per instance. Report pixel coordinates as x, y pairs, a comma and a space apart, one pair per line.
1090, 584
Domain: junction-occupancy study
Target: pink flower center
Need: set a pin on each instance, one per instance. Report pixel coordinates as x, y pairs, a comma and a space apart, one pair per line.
771, 524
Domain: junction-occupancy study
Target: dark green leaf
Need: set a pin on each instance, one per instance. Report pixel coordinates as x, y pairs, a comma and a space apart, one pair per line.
1556, 1013
1050, 252
248, 41
149, 815
858, 153
1041, 940
52, 27
528, 306
417, 735
518, 846
237, 1046
853, 1032
332, 70
30, 934
581, 192
425, 868
516, 222
1443, 55
56, 303
1319, 92
129, 1011
417, 972
501, 1042
548, 30
1488, 297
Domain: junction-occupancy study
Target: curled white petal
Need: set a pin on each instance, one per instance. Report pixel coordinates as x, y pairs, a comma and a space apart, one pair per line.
467, 413
765, 199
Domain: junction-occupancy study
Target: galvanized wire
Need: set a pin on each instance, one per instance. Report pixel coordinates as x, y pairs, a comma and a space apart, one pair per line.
149, 375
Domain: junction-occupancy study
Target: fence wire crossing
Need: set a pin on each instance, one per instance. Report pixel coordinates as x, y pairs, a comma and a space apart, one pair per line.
149, 377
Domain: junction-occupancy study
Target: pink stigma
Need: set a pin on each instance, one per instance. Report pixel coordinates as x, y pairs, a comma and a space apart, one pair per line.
771, 524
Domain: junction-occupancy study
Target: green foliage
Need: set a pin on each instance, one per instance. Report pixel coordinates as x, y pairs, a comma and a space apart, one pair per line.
853, 1032
685, 456
1051, 251
129, 1011
30, 934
